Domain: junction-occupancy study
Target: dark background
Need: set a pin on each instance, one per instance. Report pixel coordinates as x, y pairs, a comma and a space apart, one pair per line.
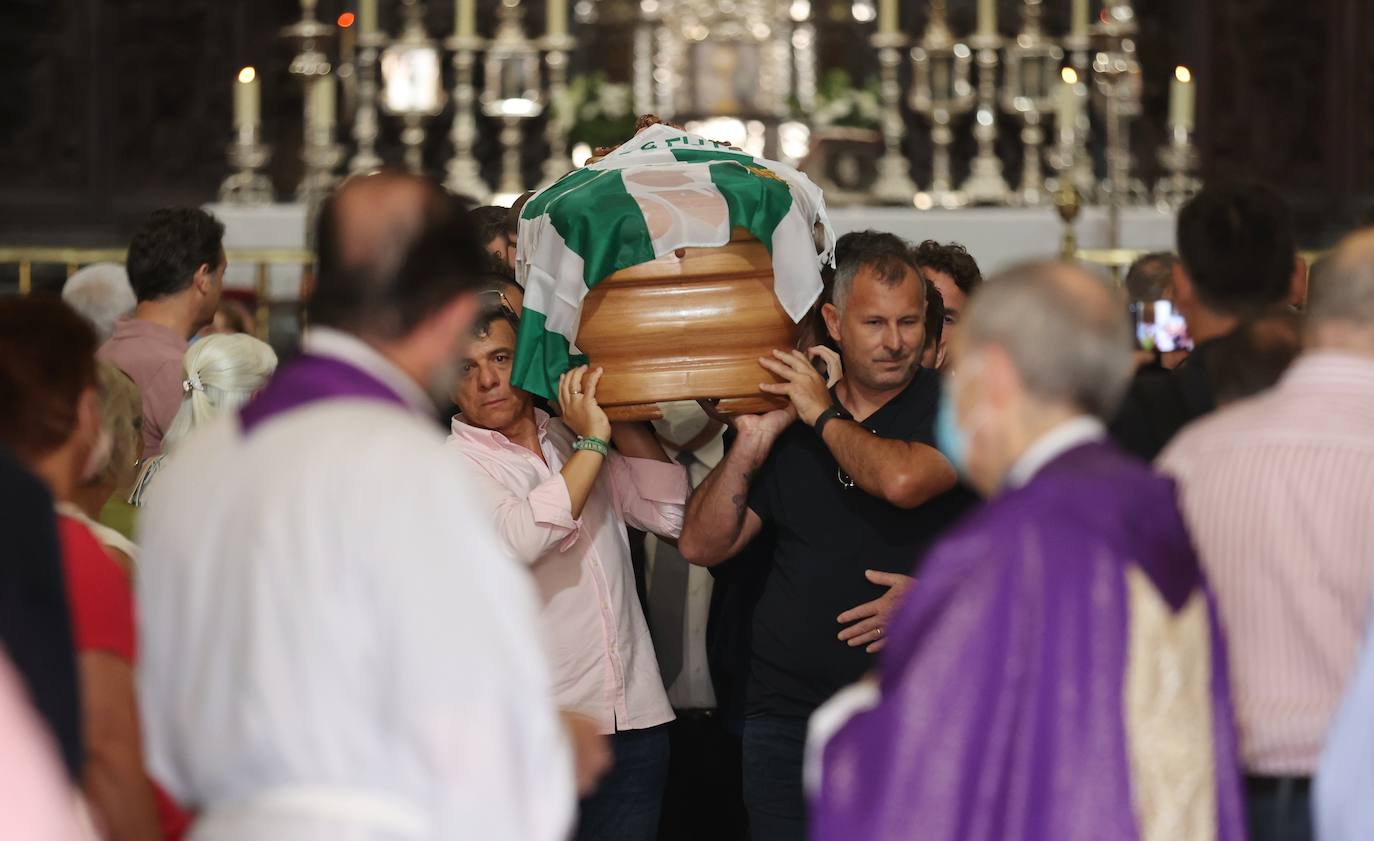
114, 107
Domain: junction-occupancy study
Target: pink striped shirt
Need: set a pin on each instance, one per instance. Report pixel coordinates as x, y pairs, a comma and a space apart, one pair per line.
603, 660
1278, 491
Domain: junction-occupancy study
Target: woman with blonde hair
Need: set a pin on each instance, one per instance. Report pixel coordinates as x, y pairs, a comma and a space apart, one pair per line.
223, 372
115, 464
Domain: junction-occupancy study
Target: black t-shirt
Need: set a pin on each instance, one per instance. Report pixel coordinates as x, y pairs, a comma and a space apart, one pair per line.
1160, 403
35, 627
827, 534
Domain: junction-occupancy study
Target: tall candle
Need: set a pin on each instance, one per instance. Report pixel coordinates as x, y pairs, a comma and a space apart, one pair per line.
987, 17
557, 14
320, 102
1067, 102
367, 16
465, 18
887, 17
247, 105
1181, 100
1078, 23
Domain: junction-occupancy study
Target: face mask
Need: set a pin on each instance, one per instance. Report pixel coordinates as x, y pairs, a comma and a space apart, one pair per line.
681, 422
950, 440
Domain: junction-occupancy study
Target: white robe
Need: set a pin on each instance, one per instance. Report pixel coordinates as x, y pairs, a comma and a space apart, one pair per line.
332, 645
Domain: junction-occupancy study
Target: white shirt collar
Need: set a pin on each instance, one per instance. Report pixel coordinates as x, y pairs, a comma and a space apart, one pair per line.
336, 344
1051, 445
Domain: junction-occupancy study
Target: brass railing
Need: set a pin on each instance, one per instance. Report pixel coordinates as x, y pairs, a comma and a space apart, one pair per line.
262, 259
1120, 259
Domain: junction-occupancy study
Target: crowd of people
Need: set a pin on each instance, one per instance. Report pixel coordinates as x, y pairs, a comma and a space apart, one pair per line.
990, 570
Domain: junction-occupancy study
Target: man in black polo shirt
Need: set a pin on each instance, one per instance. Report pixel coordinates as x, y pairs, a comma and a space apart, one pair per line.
854, 489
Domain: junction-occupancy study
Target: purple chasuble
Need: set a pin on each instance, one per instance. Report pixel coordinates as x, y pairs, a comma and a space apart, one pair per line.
309, 379
1011, 703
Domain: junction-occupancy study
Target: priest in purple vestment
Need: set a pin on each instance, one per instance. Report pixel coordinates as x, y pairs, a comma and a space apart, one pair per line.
1057, 672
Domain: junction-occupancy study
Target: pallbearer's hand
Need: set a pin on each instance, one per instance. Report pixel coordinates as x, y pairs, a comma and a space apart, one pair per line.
801, 384
577, 402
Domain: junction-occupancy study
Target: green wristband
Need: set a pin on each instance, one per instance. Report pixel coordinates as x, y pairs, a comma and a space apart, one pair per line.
595, 445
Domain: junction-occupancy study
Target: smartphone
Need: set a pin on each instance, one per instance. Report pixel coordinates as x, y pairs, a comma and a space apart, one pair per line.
1158, 326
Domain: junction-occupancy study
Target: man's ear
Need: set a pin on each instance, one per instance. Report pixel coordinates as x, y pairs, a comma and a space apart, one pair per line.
1180, 289
204, 279
831, 314
1297, 284
1000, 377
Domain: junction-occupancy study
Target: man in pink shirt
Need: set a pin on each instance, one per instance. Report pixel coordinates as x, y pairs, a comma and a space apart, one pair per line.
561, 501
176, 267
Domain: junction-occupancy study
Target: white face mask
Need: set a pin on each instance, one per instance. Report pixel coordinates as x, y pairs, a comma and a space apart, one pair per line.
99, 457
682, 421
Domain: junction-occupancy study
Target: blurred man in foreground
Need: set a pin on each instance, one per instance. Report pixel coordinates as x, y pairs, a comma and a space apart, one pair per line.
1057, 673
1278, 491
335, 644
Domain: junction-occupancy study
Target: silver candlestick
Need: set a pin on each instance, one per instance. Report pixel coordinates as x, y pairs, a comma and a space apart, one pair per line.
559, 162
894, 184
985, 183
247, 155
512, 91
1078, 47
1179, 157
320, 154
413, 76
311, 60
1117, 74
464, 175
1032, 73
941, 91
365, 118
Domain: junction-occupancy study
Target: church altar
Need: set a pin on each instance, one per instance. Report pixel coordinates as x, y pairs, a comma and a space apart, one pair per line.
995, 236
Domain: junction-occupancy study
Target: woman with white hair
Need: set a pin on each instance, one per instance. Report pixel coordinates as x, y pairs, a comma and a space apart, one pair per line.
223, 372
101, 292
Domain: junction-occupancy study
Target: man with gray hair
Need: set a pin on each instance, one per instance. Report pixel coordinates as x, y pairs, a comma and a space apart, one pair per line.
102, 294
1278, 490
1057, 673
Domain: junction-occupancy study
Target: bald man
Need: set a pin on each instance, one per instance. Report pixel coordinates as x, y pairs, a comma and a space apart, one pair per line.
1057, 673
1277, 491
333, 644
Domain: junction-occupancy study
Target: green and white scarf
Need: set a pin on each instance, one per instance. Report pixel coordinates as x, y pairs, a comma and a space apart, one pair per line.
662, 190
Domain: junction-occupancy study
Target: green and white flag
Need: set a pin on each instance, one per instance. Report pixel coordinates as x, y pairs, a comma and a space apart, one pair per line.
662, 190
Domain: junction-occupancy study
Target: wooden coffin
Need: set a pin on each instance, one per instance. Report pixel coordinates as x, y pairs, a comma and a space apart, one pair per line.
687, 326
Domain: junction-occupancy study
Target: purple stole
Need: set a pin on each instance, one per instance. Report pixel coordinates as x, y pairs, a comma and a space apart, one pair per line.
309, 379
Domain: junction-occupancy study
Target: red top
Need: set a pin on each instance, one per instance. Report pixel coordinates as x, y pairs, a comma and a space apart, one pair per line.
98, 593
101, 603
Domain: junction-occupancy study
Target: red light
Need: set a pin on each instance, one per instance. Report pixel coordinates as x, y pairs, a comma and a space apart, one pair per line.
346, 20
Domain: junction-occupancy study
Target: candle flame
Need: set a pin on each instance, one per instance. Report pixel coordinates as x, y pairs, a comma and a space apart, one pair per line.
346, 20
1183, 74
247, 75
1069, 75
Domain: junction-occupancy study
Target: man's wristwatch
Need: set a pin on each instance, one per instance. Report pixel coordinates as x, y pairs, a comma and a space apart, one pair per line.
835, 411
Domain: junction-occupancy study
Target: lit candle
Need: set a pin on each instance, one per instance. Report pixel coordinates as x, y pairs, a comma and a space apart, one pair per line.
465, 18
987, 17
321, 101
557, 14
1181, 101
367, 16
247, 110
887, 17
1067, 103
1078, 26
